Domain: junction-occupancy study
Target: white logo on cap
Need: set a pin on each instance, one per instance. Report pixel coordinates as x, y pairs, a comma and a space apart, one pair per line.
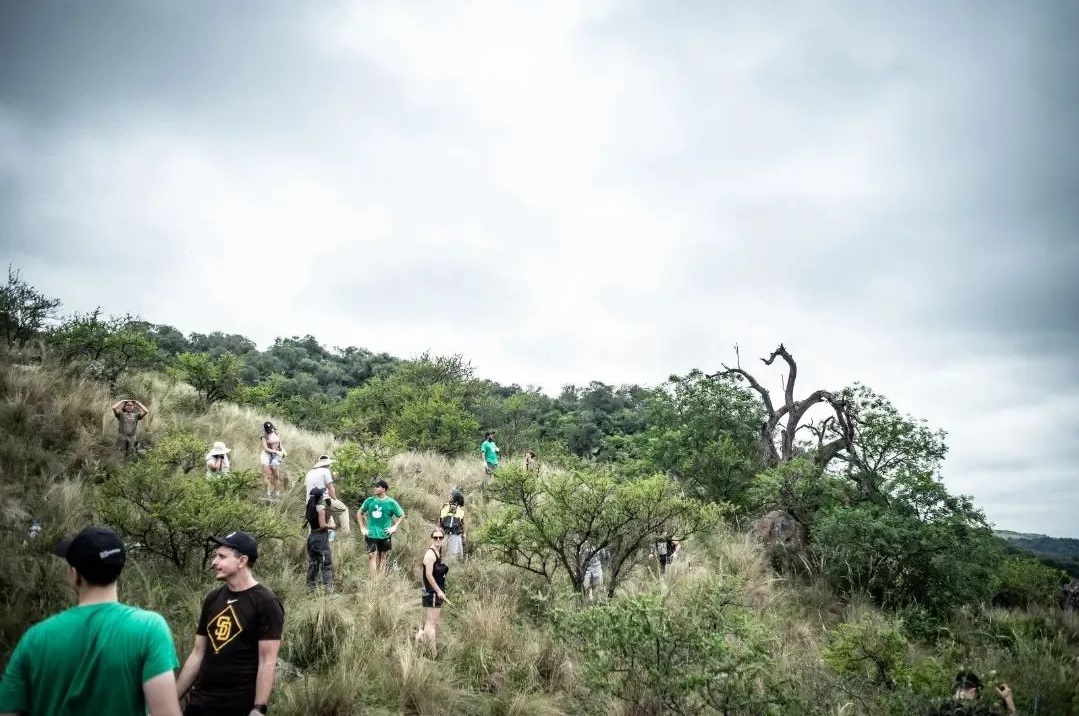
230, 535
109, 552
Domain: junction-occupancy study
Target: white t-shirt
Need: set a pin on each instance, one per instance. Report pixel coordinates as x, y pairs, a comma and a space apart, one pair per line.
317, 477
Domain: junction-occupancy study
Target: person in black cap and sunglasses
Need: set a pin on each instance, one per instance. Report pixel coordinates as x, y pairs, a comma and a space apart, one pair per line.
230, 670
968, 691
99, 657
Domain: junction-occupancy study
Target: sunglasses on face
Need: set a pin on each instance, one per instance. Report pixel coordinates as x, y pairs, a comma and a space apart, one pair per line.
438, 537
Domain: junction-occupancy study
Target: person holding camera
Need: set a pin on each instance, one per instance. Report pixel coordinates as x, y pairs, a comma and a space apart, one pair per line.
968, 691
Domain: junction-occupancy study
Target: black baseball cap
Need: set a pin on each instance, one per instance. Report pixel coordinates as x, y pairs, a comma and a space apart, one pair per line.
967, 680
241, 542
97, 554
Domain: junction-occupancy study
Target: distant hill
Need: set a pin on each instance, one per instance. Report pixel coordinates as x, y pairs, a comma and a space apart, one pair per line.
1062, 552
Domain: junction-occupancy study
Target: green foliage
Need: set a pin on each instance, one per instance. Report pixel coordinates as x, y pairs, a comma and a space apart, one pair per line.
873, 649
1024, 582
24, 311
213, 378
705, 431
105, 346
169, 508
422, 405
355, 468
556, 524
799, 488
693, 650
898, 557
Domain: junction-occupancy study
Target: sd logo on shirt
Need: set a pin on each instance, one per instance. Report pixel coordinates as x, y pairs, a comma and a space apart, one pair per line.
223, 628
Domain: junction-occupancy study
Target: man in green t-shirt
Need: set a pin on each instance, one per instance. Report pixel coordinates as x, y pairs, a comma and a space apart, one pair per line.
490, 457
379, 516
98, 657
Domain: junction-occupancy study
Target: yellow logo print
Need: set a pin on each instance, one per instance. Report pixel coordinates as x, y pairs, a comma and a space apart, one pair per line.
223, 628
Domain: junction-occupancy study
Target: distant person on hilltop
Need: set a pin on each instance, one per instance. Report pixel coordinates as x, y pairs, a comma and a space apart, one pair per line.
217, 460
968, 692
129, 413
270, 459
100, 657
379, 517
320, 476
531, 461
490, 451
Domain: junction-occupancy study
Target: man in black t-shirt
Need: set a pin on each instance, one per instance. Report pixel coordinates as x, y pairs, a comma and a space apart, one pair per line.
230, 670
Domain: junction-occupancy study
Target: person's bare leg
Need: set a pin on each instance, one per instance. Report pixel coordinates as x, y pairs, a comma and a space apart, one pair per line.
429, 633
267, 477
372, 562
275, 472
383, 561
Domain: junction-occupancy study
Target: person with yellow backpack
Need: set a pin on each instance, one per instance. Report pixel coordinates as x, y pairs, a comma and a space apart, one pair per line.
452, 521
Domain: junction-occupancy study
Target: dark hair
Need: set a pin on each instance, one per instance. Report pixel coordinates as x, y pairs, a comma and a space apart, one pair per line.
381, 483
967, 680
487, 435
268, 426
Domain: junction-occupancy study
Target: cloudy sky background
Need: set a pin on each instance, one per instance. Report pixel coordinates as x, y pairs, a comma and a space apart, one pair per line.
611, 190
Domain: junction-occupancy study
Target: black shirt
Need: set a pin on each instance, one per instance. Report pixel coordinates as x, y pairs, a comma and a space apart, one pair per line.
439, 569
233, 624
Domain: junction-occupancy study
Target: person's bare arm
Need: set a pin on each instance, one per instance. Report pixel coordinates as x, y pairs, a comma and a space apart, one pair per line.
464, 529
191, 666
160, 695
143, 410
267, 668
429, 569
331, 490
396, 522
362, 520
322, 518
116, 406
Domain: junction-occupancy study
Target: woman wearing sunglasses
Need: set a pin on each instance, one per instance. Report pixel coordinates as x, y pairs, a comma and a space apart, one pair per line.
434, 590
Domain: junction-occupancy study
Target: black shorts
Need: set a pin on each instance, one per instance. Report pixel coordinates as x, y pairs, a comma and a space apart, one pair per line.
216, 711
431, 600
378, 545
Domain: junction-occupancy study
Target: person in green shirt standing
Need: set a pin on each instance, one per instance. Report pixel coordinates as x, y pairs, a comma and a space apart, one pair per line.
490, 457
379, 517
100, 657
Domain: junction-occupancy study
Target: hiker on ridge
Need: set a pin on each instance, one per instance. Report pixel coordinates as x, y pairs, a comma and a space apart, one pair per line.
379, 517
434, 590
129, 413
270, 459
319, 554
452, 521
101, 656
490, 457
321, 477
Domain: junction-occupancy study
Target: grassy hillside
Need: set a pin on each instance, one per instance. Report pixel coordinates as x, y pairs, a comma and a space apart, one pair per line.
1060, 552
506, 649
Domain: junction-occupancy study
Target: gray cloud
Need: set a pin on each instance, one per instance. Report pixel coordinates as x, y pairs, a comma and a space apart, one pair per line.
617, 191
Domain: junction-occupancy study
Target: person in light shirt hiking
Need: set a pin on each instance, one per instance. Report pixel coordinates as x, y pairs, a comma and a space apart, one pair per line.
217, 460
129, 413
319, 476
273, 453
379, 517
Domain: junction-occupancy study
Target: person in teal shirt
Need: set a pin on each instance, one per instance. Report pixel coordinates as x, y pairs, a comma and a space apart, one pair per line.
490, 457
379, 517
98, 657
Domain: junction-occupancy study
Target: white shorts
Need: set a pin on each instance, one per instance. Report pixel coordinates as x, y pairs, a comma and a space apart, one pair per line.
593, 577
267, 459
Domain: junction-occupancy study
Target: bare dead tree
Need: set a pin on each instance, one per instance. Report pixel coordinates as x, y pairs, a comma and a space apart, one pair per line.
835, 434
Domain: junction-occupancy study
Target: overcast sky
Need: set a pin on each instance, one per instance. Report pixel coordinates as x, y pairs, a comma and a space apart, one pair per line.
600, 190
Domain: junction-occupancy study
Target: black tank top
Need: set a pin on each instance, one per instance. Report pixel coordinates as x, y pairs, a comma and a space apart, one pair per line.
439, 570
